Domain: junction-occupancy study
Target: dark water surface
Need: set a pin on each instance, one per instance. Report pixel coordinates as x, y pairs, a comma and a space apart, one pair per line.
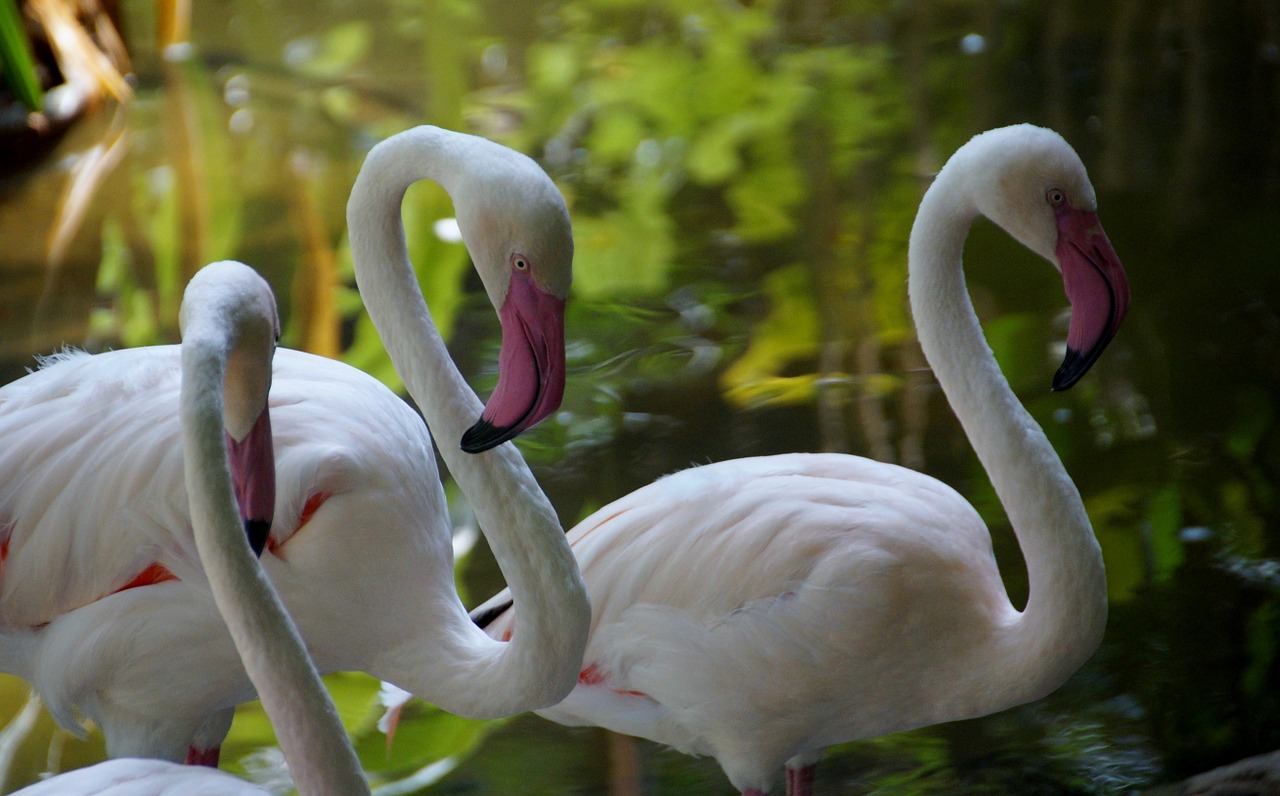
742, 179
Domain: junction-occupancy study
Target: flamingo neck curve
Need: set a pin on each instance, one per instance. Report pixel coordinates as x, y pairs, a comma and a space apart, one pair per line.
460, 668
321, 759
1066, 610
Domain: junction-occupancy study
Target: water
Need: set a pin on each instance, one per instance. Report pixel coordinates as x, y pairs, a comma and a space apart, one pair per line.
742, 180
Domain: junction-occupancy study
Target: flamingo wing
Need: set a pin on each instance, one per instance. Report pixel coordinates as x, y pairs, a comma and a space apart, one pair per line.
90, 480
753, 594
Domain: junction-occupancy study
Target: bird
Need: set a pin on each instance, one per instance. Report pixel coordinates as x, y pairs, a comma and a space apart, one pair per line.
103, 605
229, 330
141, 776
759, 610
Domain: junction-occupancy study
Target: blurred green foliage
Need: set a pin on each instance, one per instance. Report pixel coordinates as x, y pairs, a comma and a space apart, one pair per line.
742, 179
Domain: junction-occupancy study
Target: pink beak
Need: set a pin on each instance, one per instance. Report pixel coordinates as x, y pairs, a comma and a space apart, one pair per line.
530, 366
253, 477
1096, 286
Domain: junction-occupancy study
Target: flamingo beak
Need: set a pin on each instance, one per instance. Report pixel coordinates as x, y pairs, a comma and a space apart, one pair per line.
253, 478
530, 366
1096, 286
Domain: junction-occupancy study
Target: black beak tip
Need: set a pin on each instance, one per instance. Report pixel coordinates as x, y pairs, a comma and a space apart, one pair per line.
257, 531
485, 435
1074, 366
1064, 380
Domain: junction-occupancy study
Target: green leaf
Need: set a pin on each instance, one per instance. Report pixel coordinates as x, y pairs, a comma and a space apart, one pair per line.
1263, 648
628, 251
441, 268
338, 50
714, 157
1017, 340
424, 735
1252, 416
553, 66
615, 136
788, 333
762, 200
1132, 557
1164, 518
16, 60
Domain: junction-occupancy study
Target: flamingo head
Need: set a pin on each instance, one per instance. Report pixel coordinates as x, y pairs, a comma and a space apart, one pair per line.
521, 242
1033, 184
243, 299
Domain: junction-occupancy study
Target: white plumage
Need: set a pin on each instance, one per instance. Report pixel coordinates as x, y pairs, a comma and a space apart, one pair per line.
92, 497
133, 776
759, 610
229, 332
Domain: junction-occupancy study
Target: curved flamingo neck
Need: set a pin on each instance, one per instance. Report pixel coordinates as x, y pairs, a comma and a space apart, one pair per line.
463, 670
310, 734
1066, 610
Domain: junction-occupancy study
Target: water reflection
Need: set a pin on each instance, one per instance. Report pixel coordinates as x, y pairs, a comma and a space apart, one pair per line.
742, 179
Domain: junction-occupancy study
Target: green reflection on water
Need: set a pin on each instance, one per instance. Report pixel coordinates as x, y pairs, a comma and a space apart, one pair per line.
742, 180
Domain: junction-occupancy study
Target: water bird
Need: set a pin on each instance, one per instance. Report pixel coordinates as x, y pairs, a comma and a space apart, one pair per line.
104, 607
229, 331
759, 610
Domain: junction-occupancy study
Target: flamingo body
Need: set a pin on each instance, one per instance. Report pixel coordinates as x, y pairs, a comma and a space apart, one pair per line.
824, 550
94, 496
759, 610
229, 337
103, 605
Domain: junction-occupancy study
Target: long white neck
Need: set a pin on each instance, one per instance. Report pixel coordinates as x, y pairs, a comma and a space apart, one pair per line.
1066, 611
314, 743
463, 670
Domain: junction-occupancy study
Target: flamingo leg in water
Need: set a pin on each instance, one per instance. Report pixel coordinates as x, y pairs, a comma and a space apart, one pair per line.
800, 780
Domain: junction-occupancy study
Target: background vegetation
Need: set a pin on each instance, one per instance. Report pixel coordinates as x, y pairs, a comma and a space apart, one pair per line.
742, 178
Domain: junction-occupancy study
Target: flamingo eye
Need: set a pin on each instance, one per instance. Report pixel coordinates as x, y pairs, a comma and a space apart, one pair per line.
1055, 196
520, 262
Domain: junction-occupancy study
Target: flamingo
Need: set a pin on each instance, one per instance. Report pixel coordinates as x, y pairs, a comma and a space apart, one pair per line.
759, 610
229, 331
103, 605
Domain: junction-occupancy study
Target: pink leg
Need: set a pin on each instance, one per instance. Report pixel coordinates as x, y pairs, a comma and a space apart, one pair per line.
203, 757
800, 780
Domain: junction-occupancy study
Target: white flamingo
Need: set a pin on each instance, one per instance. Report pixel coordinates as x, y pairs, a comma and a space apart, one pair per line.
760, 610
103, 605
229, 331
